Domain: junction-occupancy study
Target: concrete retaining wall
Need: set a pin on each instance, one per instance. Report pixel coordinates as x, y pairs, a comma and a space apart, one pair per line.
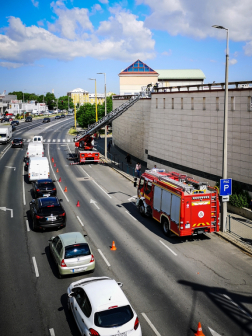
244, 212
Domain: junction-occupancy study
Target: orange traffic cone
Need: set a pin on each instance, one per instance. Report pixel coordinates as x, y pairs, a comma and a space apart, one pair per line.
52, 159
199, 330
65, 189
60, 179
113, 247
54, 164
78, 204
57, 170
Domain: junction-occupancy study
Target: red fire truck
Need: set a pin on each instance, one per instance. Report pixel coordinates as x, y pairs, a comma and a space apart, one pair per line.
181, 204
85, 151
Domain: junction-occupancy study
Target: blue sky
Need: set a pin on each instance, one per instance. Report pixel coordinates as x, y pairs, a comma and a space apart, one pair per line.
58, 45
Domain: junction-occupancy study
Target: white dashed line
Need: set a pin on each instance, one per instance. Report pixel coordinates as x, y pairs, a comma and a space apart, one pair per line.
80, 220
49, 140
104, 258
130, 215
58, 140
51, 331
151, 325
168, 248
68, 140
64, 140
27, 225
28, 140
24, 192
54, 140
35, 266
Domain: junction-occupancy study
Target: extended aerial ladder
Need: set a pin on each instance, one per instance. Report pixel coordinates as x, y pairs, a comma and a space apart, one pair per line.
84, 144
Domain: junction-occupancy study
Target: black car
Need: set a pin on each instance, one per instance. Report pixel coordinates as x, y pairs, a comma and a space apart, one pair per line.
46, 120
47, 213
57, 117
17, 142
13, 128
15, 123
44, 188
62, 116
6, 119
28, 119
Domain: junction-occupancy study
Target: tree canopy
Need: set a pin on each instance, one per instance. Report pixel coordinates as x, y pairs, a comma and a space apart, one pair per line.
86, 113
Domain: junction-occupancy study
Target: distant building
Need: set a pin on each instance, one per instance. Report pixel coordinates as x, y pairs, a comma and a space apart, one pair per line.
4, 102
81, 96
139, 75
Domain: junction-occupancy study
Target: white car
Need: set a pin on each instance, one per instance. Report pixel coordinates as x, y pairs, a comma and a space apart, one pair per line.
100, 308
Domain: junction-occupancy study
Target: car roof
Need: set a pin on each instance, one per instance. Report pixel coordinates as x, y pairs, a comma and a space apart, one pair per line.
37, 158
71, 238
104, 294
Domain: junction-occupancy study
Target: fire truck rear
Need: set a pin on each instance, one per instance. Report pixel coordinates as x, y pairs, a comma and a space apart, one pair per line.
85, 151
181, 204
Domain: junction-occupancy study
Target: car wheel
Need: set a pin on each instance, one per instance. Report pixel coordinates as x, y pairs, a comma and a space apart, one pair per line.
34, 228
60, 276
166, 228
141, 209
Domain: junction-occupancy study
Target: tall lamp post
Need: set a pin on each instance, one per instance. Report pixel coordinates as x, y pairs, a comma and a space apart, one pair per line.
23, 101
103, 73
225, 132
96, 116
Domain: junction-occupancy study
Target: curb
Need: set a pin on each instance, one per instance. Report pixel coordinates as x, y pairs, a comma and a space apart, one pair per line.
233, 241
127, 176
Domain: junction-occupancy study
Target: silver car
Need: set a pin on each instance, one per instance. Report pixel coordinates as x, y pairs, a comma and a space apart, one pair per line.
71, 253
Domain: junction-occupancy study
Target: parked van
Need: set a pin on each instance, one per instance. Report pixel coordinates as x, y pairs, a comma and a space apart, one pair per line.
35, 149
5, 133
38, 139
38, 168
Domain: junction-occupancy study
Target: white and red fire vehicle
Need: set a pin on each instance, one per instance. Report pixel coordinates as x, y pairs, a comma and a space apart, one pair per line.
85, 151
181, 204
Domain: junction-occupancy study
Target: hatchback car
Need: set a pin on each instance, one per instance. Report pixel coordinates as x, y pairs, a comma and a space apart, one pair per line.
46, 120
44, 188
15, 123
28, 119
62, 116
72, 253
17, 142
57, 117
47, 213
100, 308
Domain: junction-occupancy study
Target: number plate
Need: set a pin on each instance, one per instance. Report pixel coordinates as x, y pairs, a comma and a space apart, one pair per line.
121, 334
51, 218
46, 195
79, 269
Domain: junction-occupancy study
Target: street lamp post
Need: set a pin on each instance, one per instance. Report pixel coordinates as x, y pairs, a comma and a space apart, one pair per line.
105, 149
225, 132
23, 101
96, 116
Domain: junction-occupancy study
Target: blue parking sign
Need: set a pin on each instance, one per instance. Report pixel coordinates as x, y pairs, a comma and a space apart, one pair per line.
225, 187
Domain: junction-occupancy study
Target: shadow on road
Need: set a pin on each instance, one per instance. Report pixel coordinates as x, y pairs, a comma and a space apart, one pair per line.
69, 316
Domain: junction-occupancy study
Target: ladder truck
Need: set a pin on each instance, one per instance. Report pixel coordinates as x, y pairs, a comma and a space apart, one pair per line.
84, 141
182, 205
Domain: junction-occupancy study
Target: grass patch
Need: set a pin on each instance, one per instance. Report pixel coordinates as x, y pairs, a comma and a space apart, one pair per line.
72, 131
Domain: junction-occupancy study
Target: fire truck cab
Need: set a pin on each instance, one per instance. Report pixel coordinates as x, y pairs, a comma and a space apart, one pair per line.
85, 151
181, 204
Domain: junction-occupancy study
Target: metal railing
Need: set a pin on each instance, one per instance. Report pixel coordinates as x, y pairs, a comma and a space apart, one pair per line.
240, 229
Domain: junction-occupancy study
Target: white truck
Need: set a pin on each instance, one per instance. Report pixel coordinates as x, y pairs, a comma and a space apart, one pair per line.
38, 168
35, 147
5, 133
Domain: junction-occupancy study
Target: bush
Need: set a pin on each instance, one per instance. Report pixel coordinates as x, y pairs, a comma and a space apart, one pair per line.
72, 131
239, 198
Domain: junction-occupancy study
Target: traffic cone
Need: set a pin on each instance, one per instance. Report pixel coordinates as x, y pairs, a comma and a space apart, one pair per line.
57, 170
52, 159
199, 330
60, 179
65, 189
78, 204
54, 164
113, 247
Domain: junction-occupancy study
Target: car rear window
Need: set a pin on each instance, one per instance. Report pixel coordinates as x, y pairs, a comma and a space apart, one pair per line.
77, 250
114, 317
17, 140
51, 210
45, 185
45, 202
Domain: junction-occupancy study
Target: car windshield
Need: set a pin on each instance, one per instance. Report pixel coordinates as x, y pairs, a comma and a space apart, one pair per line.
113, 317
77, 250
2, 135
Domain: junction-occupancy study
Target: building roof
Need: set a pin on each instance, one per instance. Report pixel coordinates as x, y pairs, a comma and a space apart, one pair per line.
181, 74
79, 90
138, 67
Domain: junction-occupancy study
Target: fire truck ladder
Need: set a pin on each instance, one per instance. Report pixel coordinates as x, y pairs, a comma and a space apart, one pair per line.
183, 186
108, 118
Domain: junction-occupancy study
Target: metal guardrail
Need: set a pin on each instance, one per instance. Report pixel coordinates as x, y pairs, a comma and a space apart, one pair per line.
240, 229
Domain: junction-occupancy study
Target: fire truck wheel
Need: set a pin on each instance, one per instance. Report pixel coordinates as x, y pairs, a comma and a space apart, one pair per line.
166, 228
141, 209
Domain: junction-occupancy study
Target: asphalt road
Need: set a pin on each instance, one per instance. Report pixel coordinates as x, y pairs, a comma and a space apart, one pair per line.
172, 283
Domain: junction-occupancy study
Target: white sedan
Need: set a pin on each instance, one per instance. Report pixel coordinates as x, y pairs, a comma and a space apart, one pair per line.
100, 308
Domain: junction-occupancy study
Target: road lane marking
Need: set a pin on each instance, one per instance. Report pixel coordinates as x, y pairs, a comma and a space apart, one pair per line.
27, 225
102, 189
4, 209
35, 266
235, 304
94, 202
104, 258
55, 175
52, 333
58, 140
28, 140
90, 166
80, 220
24, 192
130, 215
68, 140
54, 140
11, 167
49, 140
64, 140
5, 151
168, 248
151, 325
214, 333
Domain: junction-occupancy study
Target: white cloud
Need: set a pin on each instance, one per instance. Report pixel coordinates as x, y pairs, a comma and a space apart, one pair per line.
40, 23
167, 53
121, 37
233, 61
195, 18
248, 48
103, 1
96, 8
11, 65
35, 3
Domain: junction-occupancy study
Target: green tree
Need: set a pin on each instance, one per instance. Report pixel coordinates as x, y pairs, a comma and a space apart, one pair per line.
63, 103
50, 100
19, 94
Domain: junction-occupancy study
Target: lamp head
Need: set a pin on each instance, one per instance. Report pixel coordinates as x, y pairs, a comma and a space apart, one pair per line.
219, 27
